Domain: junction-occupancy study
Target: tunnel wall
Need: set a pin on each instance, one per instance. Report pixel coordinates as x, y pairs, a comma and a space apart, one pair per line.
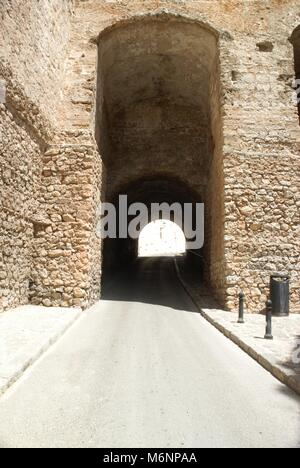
181, 133
214, 265
152, 117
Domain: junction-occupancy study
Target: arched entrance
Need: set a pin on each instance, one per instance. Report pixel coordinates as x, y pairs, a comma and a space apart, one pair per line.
158, 125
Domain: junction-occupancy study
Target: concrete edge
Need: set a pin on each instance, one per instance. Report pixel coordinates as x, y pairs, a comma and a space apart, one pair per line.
275, 370
8, 383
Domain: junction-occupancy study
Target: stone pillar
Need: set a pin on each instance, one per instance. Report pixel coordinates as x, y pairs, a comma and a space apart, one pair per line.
67, 252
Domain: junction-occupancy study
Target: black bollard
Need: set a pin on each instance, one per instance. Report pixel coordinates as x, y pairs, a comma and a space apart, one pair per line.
241, 307
268, 335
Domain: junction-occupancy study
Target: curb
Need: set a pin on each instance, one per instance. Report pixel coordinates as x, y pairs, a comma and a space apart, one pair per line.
274, 369
5, 384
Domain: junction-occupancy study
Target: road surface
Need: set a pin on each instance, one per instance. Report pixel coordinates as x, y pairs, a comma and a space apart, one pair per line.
143, 369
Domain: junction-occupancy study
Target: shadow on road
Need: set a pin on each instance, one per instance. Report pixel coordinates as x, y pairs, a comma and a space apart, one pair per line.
150, 281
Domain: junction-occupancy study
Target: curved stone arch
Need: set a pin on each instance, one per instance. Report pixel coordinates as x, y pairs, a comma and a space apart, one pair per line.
177, 184
110, 58
161, 14
159, 188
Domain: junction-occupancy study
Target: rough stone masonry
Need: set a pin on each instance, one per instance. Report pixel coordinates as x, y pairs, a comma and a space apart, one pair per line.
153, 98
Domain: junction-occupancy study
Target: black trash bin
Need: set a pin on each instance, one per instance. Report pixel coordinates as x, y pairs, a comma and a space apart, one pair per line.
280, 295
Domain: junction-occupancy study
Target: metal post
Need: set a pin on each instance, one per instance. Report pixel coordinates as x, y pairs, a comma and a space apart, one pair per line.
268, 335
241, 307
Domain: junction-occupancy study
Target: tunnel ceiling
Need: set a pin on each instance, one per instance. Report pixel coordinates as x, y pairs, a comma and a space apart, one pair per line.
157, 60
154, 101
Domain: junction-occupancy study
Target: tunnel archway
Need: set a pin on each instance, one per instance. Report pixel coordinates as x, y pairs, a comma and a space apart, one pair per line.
159, 189
158, 125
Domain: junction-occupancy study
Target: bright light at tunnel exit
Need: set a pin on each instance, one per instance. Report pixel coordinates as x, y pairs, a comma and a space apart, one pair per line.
161, 238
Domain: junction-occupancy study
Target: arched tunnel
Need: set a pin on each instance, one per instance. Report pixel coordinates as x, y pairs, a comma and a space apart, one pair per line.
171, 192
158, 128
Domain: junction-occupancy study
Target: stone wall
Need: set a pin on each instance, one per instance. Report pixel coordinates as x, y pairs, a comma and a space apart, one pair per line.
33, 39
33, 36
67, 252
261, 161
20, 157
252, 168
260, 131
214, 252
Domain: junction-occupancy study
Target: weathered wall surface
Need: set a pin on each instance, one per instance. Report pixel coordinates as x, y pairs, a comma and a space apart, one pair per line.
159, 139
214, 252
253, 183
33, 37
156, 113
66, 247
261, 164
20, 158
257, 228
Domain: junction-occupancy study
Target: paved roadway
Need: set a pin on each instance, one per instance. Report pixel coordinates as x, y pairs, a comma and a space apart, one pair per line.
143, 369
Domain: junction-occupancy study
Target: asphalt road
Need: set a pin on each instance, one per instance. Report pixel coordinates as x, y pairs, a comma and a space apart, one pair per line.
143, 369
